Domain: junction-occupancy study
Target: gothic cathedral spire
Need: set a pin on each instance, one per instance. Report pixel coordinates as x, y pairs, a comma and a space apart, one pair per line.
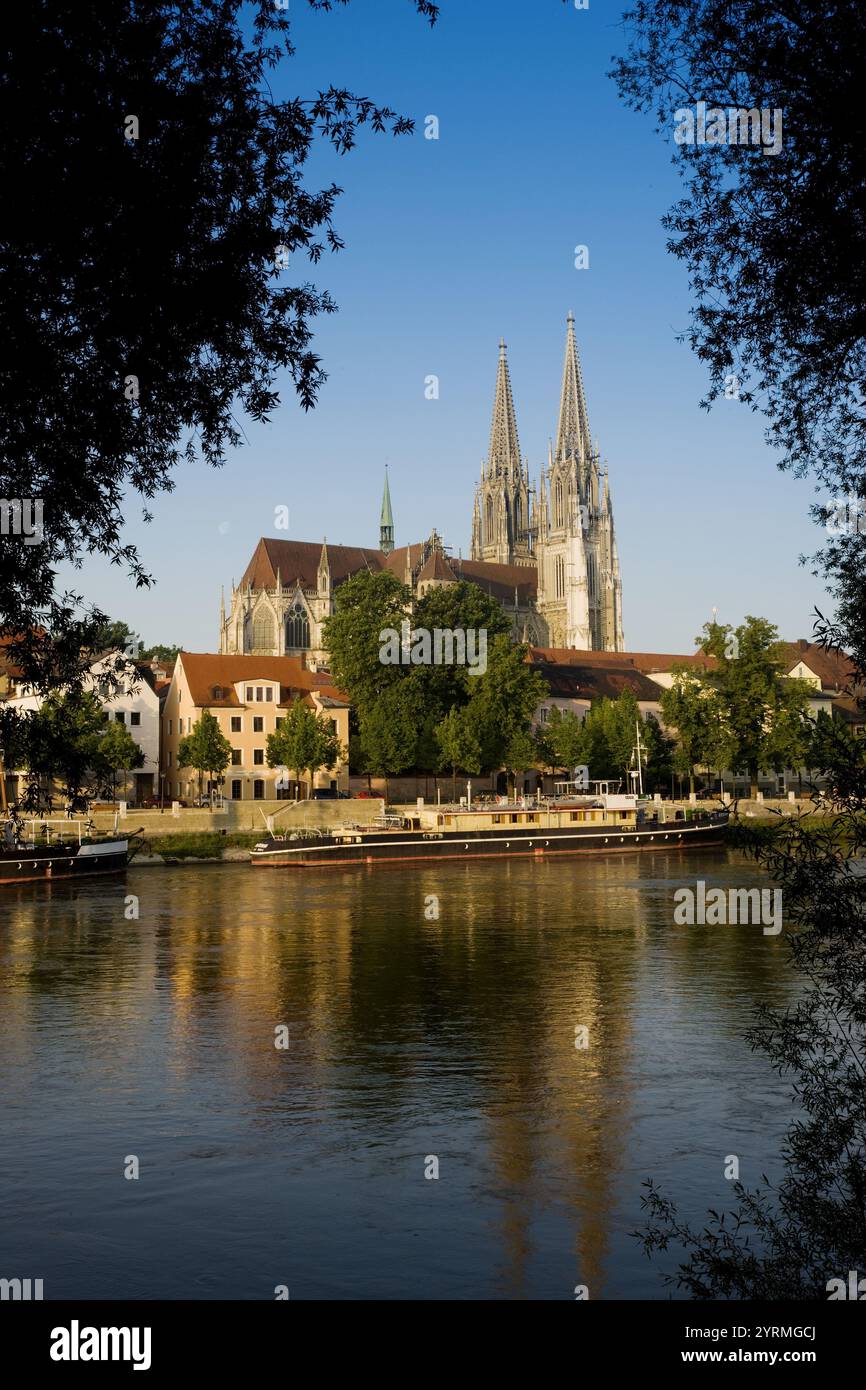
501, 530
386, 520
572, 434
579, 583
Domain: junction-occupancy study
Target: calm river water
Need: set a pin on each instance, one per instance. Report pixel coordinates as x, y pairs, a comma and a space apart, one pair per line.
409, 1039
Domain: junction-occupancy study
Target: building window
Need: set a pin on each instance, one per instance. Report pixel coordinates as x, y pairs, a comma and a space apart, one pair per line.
258, 724
249, 694
236, 757
280, 720
488, 530
236, 723
169, 757
260, 694
237, 789
258, 790
298, 629
263, 633
119, 716
218, 693
135, 719
543, 714
258, 757
169, 728
557, 503
269, 694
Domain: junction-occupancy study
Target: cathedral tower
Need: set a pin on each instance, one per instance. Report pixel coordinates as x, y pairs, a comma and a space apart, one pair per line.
502, 520
579, 586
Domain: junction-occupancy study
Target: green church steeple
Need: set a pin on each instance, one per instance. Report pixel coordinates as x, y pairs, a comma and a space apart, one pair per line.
386, 520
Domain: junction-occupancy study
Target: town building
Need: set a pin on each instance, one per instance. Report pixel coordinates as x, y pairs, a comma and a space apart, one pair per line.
249, 696
131, 700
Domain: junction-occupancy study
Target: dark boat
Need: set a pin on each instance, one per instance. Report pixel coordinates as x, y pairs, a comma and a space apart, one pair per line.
604, 823
35, 851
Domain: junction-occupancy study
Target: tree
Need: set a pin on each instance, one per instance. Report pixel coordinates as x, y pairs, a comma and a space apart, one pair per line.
119, 752
565, 734
365, 606
205, 748
118, 636
305, 741
159, 652
503, 701
762, 710
459, 745
62, 743
389, 732
520, 755
691, 707
177, 171
796, 320
462, 607
778, 326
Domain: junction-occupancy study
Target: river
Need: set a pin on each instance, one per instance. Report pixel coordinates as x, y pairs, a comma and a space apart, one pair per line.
414, 1041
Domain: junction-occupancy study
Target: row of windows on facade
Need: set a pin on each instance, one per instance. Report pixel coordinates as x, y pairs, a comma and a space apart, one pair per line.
120, 717
297, 631
237, 756
237, 724
236, 791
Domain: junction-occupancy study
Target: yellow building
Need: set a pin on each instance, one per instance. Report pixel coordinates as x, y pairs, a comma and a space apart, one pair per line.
249, 696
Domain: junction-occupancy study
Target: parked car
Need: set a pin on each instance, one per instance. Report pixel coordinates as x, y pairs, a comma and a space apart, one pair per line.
324, 794
365, 795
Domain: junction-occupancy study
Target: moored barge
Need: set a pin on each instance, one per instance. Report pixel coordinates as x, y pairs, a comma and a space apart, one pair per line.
604, 823
43, 850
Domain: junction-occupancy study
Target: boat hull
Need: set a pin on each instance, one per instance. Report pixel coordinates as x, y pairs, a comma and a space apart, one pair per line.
529, 843
50, 863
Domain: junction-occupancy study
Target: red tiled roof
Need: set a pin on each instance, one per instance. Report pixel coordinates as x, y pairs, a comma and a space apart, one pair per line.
299, 561
646, 662
835, 670
207, 670
436, 566
598, 682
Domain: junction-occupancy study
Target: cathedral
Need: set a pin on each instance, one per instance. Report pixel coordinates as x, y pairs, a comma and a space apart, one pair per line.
548, 557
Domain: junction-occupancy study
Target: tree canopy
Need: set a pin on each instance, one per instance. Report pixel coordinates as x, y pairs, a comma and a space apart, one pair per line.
156, 251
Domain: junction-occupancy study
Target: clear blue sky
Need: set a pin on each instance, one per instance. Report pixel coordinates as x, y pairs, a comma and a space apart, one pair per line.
451, 244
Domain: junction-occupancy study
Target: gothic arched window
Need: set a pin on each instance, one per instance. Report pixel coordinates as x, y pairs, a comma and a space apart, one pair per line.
518, 517
489, 529
557, 504
558, 576
298, 629
263, 632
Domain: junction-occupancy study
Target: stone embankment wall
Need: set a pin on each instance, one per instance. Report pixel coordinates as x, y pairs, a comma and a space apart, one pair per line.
243, 816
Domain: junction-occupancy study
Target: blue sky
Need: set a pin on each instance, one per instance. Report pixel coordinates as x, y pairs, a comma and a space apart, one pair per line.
451, 244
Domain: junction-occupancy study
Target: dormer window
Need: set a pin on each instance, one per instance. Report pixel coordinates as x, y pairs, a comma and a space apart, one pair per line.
218, 693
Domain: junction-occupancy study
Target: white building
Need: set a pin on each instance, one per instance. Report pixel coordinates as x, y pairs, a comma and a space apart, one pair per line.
135, 704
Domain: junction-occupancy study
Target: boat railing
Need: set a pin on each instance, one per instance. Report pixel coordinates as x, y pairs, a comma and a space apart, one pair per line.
83, 829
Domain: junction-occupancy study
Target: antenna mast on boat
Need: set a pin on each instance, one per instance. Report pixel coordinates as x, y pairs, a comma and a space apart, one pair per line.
638, 752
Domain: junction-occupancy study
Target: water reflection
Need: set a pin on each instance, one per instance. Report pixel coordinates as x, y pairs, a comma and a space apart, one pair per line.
410, 1036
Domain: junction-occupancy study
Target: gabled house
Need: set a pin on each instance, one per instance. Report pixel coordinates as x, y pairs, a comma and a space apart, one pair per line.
249, 696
